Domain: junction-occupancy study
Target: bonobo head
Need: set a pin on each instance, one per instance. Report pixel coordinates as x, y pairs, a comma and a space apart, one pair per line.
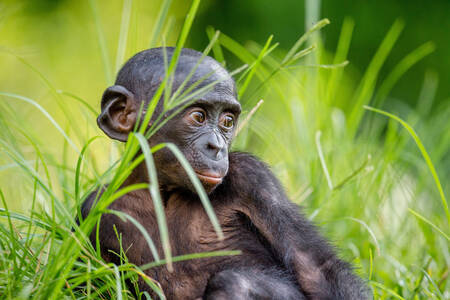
203, 130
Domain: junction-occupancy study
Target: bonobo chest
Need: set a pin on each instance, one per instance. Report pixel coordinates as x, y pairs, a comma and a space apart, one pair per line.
191, 231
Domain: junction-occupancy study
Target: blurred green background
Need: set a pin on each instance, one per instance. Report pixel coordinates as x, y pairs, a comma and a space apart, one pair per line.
53, 29
425, 21
358, 174
256, 20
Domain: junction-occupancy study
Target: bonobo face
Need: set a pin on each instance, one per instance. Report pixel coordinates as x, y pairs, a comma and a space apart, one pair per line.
203, 130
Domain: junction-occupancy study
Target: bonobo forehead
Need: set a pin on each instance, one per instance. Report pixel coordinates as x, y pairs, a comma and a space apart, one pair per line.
145, 71
209, 74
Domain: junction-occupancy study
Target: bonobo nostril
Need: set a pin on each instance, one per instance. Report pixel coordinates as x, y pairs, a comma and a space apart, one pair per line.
215, 144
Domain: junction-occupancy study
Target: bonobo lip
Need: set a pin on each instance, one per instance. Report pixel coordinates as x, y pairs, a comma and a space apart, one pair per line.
211, 178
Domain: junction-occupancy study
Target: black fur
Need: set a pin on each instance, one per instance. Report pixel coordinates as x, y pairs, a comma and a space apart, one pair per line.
283, 255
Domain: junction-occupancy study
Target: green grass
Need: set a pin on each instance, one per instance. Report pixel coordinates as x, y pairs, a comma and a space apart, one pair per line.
376, 186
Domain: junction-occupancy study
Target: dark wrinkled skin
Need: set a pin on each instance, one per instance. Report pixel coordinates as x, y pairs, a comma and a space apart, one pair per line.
283, 255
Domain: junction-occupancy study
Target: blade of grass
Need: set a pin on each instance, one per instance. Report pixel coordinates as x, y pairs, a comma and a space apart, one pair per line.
424, 153
160, 19
23, 218
199, 188
321, 66
45, 113
433, 283
370, 231
419, 282
292, 56
68, 115
420, 217
353, 174
77, 174
135, 22
401, 68
300, 54
217, 50
118, 283
141, 228
123, 35
33, 202
102, 43
322, 160
79, 99
345, 39
384, 288
248, 117
38, 153
192, 72
5, 210
367, 84
186, 99
68, 251
156, 198
61, 210
237, 49
192, 256
319, 25
173, 63
153, 285
254, 66
427, 93
176, 259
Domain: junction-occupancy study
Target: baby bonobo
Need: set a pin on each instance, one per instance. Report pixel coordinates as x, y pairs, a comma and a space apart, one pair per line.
282, 254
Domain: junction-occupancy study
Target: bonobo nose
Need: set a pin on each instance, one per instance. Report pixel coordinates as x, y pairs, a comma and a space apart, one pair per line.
215, 146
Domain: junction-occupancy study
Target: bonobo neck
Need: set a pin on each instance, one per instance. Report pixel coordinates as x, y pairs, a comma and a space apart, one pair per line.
138, 175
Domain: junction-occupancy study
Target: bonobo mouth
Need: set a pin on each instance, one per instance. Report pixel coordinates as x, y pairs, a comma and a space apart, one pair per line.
209, 178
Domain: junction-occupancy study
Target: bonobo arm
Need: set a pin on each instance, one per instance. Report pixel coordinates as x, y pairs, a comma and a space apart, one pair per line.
252, 283
111, 226
294, 240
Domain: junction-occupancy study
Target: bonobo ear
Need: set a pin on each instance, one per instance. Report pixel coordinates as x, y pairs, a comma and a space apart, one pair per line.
118, 114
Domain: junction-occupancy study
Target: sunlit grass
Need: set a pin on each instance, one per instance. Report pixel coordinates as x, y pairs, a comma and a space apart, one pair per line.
376, 189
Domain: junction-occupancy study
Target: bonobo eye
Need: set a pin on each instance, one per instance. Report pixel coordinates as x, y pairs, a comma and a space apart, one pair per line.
227, 121
198, 116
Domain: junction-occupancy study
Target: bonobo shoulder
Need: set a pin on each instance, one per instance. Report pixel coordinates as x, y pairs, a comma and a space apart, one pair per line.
246, 162
89, 202
248, 173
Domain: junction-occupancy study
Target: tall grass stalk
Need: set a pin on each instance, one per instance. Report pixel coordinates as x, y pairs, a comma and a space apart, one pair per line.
358, 175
